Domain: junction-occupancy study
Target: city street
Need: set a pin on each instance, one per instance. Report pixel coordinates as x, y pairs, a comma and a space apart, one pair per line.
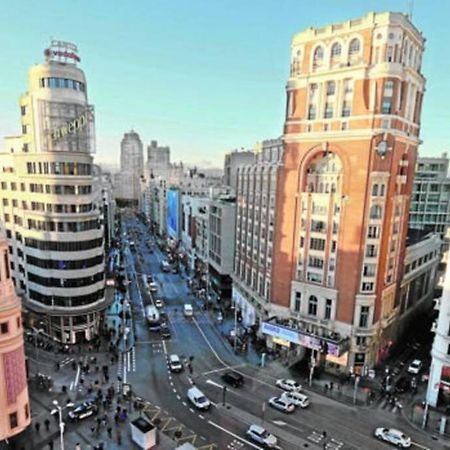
198, 339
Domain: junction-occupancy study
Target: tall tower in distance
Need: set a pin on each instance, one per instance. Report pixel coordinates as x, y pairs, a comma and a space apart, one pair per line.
49, 207
131, 166
351, 133
14, 403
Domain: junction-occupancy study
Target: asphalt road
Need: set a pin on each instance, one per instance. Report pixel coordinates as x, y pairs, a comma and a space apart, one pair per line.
346, 427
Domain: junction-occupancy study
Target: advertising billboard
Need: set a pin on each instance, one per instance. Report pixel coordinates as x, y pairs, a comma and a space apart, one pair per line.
173, 218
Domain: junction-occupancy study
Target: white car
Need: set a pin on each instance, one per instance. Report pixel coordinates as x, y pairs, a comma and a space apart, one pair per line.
175, 363
159, 303
297, 398
282, 404
288, 385
198, 398
262, 436
393, 436
415, 367
152, 287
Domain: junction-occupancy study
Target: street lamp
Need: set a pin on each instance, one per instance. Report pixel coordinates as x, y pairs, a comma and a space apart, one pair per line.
59, 410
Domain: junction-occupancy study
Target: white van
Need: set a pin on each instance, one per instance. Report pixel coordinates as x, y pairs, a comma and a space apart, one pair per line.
188, 310
198, 398
297, 398
175, 363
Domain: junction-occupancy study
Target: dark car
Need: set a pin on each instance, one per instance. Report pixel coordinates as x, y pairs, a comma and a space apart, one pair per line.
233, 378
165, 332
83, 410
402, 385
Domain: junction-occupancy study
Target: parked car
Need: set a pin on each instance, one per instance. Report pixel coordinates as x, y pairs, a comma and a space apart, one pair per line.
262, 436
175, 363
149, 279
83, 410
415, 367
297, 398
282, 404
288, 385
198, 398
152, 287
393, 436
233, 378
159, 303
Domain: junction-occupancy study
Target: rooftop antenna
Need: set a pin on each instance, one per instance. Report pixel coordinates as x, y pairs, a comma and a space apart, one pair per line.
410, 9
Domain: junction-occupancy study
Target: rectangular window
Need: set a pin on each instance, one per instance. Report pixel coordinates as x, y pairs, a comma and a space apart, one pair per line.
369, 270
312, 112
13, 420
298, 297
4, 328
328, 307
371, 251
346, 108
364, 317
373, 232
328, 113
367, 287
386, 106
331, 88
317, 244
316, 262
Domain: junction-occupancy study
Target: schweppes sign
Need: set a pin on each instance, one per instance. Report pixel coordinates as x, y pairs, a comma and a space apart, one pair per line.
73, 126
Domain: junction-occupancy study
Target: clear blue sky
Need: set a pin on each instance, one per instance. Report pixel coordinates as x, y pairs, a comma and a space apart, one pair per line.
203, 76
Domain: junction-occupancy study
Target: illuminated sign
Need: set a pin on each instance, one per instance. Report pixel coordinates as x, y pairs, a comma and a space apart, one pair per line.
305, 340
61, 50
73, 126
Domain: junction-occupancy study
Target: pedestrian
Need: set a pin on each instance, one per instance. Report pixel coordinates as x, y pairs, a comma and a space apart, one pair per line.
119, 437
78, 446
109, 431
47, 424
331, 385
50, 445
37, 427
116, 418
93, 429
324, 434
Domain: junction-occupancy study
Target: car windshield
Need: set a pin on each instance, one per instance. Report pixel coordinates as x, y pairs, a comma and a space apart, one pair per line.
265, 434
202, 399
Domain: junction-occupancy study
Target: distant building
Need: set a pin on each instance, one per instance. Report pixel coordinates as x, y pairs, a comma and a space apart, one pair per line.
233, 160
430, 200
131, 167
221, 243
256, 191
15, 413
158, 161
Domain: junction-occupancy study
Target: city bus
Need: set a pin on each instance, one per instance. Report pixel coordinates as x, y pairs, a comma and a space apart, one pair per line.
153, 318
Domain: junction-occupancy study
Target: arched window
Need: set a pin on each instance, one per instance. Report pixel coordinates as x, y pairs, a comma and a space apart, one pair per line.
382, 190
375, 190
312, 305
318, 56
336, 50
355, 47
375, 212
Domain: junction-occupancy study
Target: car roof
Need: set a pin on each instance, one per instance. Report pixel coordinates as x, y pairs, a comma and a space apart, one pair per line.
416, 361
196, 391
174, 356
395, 431
257, 428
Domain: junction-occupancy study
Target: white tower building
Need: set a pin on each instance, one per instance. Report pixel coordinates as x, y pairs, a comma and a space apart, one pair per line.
49, 201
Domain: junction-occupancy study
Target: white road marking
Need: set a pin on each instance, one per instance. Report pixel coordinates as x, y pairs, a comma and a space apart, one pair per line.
174, 390
420, 446
215, 384
223, 368
191, 410
201, 417
234, 435
184, 403
164, 347
178, 396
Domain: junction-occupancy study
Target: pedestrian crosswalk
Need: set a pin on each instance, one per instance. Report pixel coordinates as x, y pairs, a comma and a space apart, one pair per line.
126, 364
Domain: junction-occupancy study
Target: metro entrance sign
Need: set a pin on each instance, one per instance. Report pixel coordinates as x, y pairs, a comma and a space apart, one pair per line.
305, 340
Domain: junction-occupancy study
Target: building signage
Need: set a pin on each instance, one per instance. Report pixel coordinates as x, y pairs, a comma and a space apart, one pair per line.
299, 338
61, 49
73, 126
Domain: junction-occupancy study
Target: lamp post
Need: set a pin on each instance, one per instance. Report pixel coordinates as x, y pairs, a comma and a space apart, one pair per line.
59, 410
357, 378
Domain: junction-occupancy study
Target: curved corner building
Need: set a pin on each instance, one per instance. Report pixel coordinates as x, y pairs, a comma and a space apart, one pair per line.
49, 207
